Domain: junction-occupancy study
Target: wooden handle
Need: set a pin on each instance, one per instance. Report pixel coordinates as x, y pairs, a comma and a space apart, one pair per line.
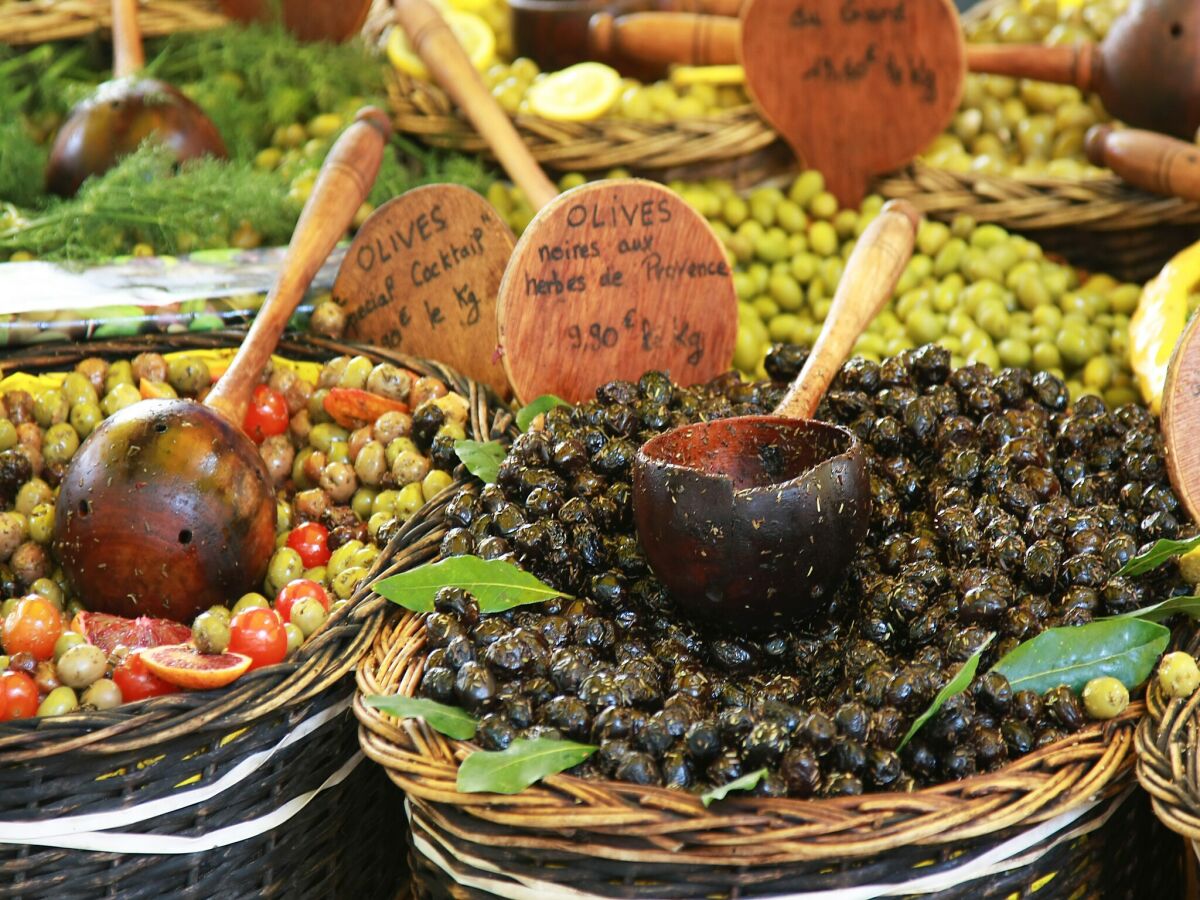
128, 56
667, 37
1061, 65
1148, 160
342, 186
442, 54
875, 265
703, 7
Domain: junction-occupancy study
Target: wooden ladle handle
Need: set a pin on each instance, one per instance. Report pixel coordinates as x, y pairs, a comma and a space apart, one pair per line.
128, 56
875, 265
704, 7
442, 54
342, 186
667, 37
1147, 160
1076, 64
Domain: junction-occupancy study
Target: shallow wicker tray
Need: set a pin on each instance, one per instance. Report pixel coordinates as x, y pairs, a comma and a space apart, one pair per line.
607, 838
342, 838
38, 21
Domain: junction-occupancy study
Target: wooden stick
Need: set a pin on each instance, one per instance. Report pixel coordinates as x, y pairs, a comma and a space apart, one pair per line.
1075, 65
342, 186
667, 37
442, 54
876, 264
128, 56
1147, 160
702, 7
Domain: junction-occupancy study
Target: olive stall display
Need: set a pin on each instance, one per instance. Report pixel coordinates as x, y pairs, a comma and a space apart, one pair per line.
352, 449
1000, 509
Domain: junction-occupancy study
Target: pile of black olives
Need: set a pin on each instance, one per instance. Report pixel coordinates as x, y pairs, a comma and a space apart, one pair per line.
997, 509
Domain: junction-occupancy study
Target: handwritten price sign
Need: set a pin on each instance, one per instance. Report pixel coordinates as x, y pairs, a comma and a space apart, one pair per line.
608, 281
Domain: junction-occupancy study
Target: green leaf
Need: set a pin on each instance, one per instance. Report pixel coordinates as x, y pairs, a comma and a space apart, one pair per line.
1126, 649
956, 685
745, 783
496, 584
524, 762
531, 410
1189, 606
1158, 554
482, 458
449, 720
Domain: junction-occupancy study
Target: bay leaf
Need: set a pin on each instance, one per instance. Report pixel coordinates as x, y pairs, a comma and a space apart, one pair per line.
535, 407
448, 720
525, 761
482, 458
1189, 606
956, 685
1126, 649
1159, 553
496, 584
746, 783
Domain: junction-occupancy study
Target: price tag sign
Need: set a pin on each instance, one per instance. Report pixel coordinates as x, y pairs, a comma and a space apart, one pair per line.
856, 87
422, 275
612, 279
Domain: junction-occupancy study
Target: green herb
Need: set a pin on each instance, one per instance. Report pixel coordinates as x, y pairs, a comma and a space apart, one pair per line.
525, 761
745, 783
482, 458
531, 410
1126, 649
956, 685
448, 720
22, 165
1158, 554
495, 584
1189, 606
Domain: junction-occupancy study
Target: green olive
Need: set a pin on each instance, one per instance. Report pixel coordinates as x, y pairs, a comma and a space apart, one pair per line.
347, 580
102, 694
58, 702
251, 600
210, 633
80, 665
295, 637
66, 641
1105, 697
308, 614
1178, 675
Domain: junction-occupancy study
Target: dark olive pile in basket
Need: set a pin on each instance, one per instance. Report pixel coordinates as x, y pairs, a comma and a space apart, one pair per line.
997, 508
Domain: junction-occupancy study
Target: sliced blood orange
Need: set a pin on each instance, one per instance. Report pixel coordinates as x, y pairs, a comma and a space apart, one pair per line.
185, 666
106, 631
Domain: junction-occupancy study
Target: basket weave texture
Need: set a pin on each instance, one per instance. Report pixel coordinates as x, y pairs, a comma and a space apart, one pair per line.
342, 843
575, 830
38, 21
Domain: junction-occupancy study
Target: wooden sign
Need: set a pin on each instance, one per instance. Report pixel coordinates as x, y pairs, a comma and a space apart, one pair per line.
1181, 419
856, 87
612, 279
422, 275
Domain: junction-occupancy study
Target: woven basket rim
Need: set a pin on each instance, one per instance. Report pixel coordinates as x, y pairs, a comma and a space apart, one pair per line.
674, 826
318, 664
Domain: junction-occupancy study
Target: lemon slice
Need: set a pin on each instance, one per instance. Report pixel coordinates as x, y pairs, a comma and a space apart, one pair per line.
475, 35
577, 93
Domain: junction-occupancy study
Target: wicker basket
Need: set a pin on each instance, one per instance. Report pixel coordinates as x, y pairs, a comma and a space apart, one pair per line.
1100, 224
38, 21
1054, 817
255, 790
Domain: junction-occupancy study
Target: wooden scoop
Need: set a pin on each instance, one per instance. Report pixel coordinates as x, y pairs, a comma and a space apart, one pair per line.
855, 90
114, 121
1147, 160
167, 507
752, 521
1180, 413
1146, 70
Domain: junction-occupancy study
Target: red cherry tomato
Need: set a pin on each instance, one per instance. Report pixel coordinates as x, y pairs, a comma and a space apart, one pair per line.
258, 633
293, 591
137, 682
311, 541
18, 696
32, 627
267, 415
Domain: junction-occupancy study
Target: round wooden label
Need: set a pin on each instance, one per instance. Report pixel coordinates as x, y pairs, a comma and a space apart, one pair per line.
1181, 419
612, 279
422, 276
856, 87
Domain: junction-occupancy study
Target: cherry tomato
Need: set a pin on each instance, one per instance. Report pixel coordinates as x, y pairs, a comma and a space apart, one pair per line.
293, 591
32, 627
258, 633
18, 696
267, 415
137, 682
311, 541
